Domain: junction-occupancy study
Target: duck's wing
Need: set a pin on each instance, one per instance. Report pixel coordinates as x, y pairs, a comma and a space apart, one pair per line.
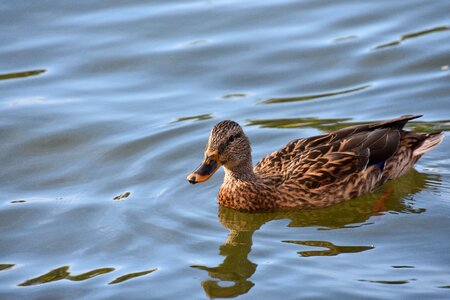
276, 162
319, 169
326, 164
336, 150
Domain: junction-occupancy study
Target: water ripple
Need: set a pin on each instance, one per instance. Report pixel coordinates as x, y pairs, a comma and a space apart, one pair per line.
234, 96
316, 96
412, 36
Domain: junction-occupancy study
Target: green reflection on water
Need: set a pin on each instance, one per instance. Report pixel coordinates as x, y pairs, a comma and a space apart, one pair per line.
413, 35
237, 267
339, 123
390, 44
90, 274
322, 124
54, 275
315, 96
345, 38
333, 249
195, 118
63, 273
21, 74
6, 266
131, 276
122, 196
234, 96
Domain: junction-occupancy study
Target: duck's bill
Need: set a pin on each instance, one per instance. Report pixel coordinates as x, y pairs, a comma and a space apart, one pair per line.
203, 172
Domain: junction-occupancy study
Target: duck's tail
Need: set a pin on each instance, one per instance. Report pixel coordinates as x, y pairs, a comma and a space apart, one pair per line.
412, 146
431, 141
397, 123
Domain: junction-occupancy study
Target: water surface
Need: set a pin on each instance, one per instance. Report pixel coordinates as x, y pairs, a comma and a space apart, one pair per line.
106, 107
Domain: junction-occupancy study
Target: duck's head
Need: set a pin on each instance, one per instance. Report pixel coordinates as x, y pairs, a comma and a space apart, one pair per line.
227, 146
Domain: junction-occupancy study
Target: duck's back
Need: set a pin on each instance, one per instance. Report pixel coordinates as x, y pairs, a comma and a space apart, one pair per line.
327, 159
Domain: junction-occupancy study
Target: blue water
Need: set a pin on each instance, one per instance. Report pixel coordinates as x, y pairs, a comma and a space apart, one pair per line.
106, 106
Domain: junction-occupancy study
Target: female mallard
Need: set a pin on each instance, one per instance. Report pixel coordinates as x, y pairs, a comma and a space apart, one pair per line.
312, 172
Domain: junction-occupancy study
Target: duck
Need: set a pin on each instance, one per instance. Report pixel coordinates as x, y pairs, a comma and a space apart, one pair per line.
311, 172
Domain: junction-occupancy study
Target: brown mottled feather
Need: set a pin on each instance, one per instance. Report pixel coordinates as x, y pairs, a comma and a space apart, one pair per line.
320, 170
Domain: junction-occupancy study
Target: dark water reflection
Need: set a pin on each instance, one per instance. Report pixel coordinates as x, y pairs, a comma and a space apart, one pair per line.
237, 268
388, 281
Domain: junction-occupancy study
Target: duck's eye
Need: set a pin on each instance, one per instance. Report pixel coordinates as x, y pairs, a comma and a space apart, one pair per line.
221, 148
230, 140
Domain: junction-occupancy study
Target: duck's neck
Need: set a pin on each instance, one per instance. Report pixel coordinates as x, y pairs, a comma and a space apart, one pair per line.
244, 190
243, 172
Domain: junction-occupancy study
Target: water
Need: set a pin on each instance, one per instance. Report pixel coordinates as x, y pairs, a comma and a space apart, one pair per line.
106, 107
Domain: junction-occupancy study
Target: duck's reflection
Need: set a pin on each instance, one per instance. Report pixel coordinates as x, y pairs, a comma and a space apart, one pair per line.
231, 277
236, 268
